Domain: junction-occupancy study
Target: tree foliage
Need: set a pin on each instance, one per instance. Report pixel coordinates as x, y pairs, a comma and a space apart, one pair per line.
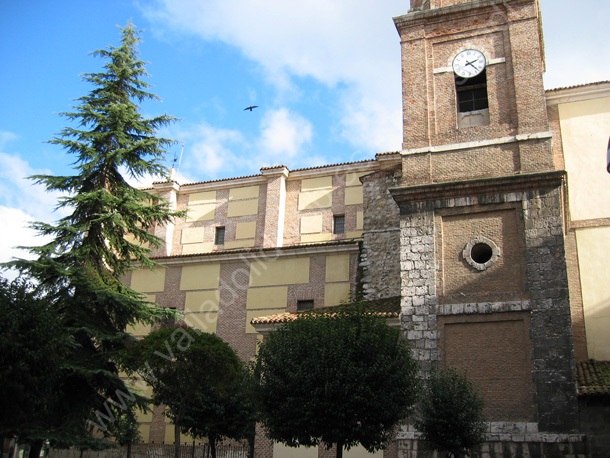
451, 413
80, 270
32, 350
341, 378
229, 412
193, 374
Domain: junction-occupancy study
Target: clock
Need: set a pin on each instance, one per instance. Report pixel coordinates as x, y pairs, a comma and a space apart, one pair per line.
469, 63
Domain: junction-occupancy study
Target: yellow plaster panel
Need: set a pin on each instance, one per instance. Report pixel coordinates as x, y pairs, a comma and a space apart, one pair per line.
243, 208
264, 298
205, 322
279, 272
313, 184
248, 192
170, 432
192, 235
204, 212
312, 200
245, 230
311, 224
239, 244
142, 329
144, 417
593, 249
584, 134
313, 238
139, 329
337, 268
202, 301
148, 281
152, 298
294, 452
353, 234
145, 433
250, 314
206, 197
353, 179
193, 248
359, 220
336, 293
360, 452
353, 196
200, 276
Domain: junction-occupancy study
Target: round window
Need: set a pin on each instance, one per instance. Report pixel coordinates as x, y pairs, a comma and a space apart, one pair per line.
480, 253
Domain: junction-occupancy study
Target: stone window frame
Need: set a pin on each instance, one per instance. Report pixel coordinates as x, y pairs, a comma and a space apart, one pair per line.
495, 253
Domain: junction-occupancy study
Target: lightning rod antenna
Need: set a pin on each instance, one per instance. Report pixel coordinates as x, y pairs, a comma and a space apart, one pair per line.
175, 170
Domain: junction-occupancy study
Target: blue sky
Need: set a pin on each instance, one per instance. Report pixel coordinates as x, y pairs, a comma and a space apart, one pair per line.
325, 75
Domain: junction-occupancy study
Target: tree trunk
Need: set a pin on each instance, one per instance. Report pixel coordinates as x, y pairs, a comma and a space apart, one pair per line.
176, 441
35, 448
339, 450
251, 447
129, 450
212, 441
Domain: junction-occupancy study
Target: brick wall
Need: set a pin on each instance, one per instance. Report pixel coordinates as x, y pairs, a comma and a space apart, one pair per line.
495, 352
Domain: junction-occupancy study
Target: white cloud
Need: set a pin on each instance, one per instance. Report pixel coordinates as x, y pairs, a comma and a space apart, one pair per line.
351, 44
17, 191
217, 153
21, 202
283, 135
209, 151
14, 232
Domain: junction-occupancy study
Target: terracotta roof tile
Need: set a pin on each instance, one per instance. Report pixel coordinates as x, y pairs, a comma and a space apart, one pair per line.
596, 83
385, 308
593, 377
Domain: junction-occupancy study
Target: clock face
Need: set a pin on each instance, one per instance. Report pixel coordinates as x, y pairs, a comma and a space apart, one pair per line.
469, 63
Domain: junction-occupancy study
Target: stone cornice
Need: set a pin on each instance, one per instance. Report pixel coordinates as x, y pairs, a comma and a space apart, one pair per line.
480, 143
479, 186
462, 9
578, 93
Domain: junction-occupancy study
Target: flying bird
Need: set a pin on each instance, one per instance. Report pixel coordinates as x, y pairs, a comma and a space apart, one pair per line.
251, 107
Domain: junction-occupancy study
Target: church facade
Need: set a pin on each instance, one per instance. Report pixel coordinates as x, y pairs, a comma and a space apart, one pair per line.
489, 231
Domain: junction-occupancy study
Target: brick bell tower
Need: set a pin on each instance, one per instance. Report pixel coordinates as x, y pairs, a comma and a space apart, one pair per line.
483, 270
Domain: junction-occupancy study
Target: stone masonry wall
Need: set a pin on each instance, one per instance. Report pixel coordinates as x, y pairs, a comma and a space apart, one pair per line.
551, 330
379, 262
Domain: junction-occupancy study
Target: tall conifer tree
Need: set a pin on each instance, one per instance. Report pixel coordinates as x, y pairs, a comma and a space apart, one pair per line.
82, 267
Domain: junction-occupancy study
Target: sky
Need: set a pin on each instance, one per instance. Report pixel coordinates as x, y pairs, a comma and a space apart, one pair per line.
325, 75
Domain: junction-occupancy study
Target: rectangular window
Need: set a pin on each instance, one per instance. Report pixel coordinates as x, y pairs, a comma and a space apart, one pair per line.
303, 306
219, 239
472, 93
339, 224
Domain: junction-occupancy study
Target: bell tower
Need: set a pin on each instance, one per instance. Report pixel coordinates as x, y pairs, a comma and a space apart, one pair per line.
483, 270
499, 112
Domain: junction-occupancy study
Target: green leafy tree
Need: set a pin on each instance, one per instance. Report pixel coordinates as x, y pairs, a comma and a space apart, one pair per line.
81, 268
126, 429
226, 411
342, 378
186, 369
33, 346
451, 413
